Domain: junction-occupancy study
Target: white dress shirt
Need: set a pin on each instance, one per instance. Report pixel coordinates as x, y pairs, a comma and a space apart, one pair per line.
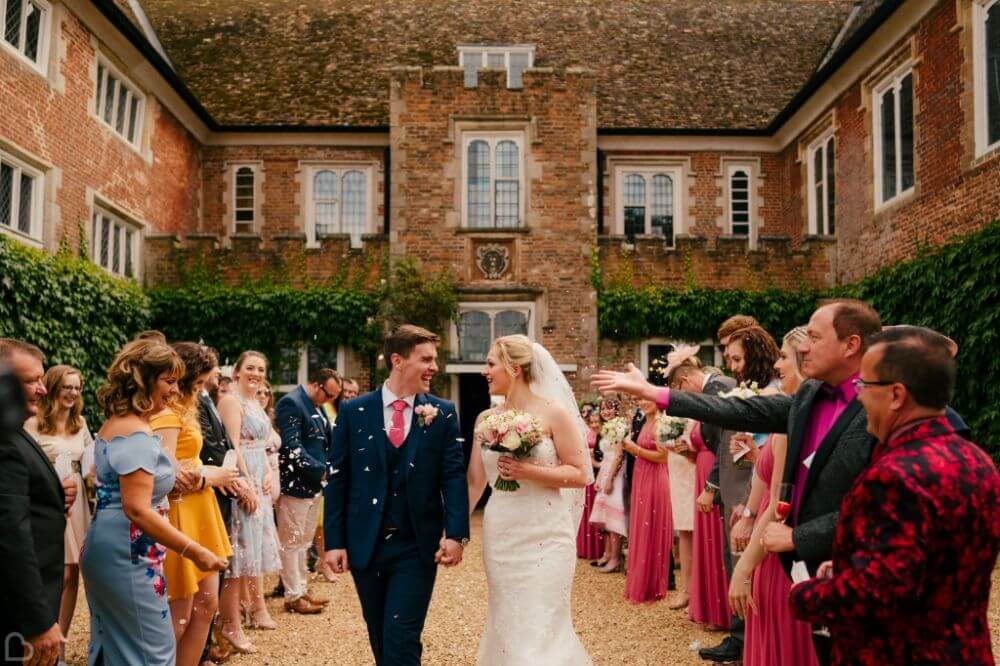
388, 397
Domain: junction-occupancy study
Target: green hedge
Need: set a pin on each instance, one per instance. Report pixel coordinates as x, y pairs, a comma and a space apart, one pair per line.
954, 289
73, 310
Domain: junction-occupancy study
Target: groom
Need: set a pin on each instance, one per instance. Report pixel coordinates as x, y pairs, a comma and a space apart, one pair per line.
396, 502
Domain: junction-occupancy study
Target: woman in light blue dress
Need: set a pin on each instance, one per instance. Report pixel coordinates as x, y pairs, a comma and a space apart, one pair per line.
122, 558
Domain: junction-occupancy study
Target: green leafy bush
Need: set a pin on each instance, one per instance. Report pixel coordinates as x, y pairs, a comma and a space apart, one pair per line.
74, 311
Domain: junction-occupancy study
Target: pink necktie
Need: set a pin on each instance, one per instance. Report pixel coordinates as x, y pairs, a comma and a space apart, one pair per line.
397, 433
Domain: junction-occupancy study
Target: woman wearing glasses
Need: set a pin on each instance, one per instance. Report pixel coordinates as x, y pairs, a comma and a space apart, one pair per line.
252, 532
61, 431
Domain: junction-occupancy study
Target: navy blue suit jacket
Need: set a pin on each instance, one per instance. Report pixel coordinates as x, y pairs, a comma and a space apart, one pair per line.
305, 439
359, 479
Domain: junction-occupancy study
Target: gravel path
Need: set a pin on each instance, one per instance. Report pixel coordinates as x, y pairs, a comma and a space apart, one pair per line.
614, 631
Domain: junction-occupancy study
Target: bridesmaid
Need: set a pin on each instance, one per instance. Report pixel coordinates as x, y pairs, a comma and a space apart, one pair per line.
61, 431
589, 540
709, 591
122, 559
253, 532
194, 509
759, 588
651, 532
608, 511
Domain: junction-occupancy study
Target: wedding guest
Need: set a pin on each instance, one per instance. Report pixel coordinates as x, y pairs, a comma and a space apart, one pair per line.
315, 559
61, 431
726, 330
919, 532
193, 594
305, 440
707, 603
330, 406
650, 531
608, 512
828, 443
122, 559
589, 540
759, 588
225, 387
152, 334
33, 502
350, 391
251, 530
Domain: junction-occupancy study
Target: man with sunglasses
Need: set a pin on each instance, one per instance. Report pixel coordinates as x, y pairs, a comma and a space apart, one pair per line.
919, 533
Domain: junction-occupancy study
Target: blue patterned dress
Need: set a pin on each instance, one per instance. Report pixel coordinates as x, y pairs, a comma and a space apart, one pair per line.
254, 536
122, 567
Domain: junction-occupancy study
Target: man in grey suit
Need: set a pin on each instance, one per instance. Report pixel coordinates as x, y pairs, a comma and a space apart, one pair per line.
828, 441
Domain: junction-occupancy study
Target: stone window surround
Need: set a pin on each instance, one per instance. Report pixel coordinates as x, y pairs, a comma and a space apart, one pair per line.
678, 168
304, 173
100, 58
891, 80
229, 186
493, 138
507, 50
45, 33
727, 166
39, 192
980, 9
819, 143
99, 204
642, 362
491, 308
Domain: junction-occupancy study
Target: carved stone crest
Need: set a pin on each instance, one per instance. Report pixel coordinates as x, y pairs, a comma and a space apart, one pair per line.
493, 260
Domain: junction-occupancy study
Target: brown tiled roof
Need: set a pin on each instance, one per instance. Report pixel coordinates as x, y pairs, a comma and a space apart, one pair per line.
679, 64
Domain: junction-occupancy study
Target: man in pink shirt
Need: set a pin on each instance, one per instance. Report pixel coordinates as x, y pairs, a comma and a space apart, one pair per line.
828, 442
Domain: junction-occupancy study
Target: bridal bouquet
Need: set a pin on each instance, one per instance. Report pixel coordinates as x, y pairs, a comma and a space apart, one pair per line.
668, 428
612, 432
513, 433
745, 390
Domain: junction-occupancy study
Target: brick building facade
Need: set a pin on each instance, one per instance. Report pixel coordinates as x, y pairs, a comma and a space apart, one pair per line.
743, 145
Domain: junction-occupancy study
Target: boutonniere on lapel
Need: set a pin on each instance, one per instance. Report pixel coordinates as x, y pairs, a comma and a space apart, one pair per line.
425, 414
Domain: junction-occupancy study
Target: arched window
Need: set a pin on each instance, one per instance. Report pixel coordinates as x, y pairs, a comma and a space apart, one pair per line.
354, 205
739, 202
325, 202
479, 185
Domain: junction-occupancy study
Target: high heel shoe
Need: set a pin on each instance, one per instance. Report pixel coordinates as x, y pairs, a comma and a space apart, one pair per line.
260, 619
242, 647
615, 569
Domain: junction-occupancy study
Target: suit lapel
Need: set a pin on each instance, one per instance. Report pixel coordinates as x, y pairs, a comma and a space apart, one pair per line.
829, 443
416, 433
809, 392
376, 424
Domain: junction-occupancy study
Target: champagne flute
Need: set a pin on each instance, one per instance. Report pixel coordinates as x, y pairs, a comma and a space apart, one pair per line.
784, 504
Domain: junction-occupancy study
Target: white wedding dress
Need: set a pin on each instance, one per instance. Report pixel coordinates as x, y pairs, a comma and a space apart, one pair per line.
529, 547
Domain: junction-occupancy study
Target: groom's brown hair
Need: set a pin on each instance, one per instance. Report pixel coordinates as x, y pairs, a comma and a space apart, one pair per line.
403, 339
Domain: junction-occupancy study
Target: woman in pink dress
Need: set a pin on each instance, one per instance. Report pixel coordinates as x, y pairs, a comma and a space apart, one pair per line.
709, 596
651, 532
759, 587
589, 540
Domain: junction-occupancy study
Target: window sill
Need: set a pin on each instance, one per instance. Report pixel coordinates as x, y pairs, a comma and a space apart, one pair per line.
137, 149
988, 154
37, 68
24, 238
896, 202
493, 231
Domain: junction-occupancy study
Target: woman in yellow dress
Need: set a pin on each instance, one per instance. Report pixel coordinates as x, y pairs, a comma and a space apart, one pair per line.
193, 594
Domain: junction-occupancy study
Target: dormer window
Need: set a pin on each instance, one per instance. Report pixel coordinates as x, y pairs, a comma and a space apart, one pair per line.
515, 59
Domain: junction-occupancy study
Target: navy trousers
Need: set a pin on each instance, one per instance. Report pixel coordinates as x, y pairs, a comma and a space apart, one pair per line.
395, 591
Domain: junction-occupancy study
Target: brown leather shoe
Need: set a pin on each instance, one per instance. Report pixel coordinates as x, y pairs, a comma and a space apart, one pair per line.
302, 605
316, 601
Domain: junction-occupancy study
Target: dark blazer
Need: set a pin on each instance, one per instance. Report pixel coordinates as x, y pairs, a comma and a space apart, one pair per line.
305, 439
732, 481
843, 454
436, 489
215, 443
31, 543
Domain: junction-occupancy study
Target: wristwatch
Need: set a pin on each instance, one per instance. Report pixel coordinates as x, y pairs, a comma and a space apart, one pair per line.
747, 513
464, 541
709, 488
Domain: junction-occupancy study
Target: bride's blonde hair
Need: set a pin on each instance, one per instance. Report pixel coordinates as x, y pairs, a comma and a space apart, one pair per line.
515, 351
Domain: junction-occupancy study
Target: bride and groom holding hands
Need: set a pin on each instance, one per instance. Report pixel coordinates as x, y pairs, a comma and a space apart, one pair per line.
398, 498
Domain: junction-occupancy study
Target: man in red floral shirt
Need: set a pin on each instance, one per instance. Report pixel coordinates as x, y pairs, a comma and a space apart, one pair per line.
919, 532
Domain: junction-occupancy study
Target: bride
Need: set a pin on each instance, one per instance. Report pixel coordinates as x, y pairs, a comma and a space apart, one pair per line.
529, 535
